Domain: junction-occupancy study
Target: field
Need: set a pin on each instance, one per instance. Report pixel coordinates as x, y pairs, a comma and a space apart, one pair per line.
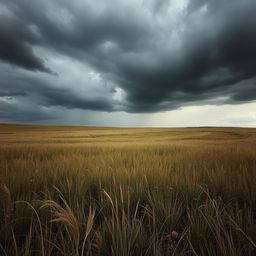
118, 191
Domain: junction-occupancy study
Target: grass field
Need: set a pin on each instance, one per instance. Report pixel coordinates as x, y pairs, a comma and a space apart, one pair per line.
117, 191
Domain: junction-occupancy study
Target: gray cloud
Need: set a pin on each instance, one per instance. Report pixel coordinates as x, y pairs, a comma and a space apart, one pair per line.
38, 94
161, 55
11, 111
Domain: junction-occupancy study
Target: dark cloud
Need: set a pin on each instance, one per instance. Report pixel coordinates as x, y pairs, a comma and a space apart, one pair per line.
9, 93
244, 91
162, 55
15, 45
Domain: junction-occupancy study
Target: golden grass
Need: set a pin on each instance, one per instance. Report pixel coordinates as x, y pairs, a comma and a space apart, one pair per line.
119, 191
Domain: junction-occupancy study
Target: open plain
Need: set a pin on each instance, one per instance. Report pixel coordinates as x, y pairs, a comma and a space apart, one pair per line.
127, 191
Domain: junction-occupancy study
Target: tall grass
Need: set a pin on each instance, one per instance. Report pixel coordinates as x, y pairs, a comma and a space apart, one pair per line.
74, 191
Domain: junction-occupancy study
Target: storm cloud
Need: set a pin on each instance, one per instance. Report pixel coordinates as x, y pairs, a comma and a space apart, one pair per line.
132, 56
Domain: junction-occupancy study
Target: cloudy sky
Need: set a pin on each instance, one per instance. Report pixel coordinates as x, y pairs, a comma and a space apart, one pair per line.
128, 63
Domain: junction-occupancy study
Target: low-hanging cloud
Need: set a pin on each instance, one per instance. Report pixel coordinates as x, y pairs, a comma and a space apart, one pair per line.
161, 55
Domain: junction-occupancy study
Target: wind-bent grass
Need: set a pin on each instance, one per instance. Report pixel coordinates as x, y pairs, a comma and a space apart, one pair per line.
106, 191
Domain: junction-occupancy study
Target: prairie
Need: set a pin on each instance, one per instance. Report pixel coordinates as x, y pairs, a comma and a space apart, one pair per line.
127, 191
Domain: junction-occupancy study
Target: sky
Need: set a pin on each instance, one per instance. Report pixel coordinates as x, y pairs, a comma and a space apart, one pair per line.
160, 63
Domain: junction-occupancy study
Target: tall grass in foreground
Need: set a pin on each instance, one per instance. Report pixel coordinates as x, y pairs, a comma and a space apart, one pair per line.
182, 199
